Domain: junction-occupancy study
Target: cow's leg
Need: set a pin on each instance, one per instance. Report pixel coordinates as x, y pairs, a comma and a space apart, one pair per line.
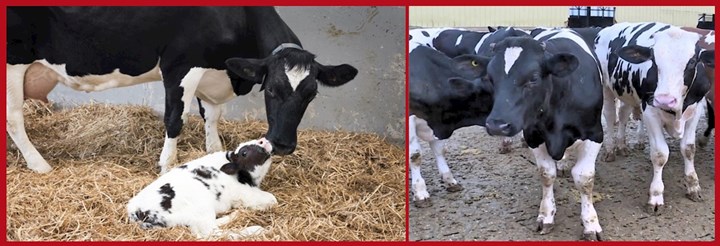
703, 140
547, 170
687, 148
621, 141
658, 156
584, 175
437, 147
610, 122
422, 197
211, 114
15, 124
178, 99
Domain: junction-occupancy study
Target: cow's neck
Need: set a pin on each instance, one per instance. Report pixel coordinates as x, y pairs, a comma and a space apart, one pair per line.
270, 30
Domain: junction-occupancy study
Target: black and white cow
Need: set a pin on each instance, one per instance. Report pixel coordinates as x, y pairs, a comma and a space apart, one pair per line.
550, 89
659, 69
217, 55
445, 94
194, 193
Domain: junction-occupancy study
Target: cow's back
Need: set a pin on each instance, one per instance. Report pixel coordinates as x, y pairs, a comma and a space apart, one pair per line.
98, 40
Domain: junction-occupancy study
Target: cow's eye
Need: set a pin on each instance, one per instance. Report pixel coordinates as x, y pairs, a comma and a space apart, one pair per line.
244, 153
474, 63
535, 79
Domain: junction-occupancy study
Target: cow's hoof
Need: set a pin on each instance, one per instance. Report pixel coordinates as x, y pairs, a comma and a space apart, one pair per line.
609, 156
563, 173
592, 236
702, 141
454, 187
655, 209
622, 152
543, 228
694, 196
423, 203
640, 146
42, 167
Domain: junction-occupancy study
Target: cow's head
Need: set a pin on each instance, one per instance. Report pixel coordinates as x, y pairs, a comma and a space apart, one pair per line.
681, 68
521, 73
290, 79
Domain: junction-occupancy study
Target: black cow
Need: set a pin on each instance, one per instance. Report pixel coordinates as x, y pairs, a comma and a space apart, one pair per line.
551, 90
455, 42
214, 53
445, 94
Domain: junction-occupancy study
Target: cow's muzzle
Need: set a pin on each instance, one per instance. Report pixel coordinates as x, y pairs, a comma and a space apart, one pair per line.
498, 127
666, 102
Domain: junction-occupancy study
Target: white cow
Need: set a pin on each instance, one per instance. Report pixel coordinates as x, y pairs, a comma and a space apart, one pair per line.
659, 69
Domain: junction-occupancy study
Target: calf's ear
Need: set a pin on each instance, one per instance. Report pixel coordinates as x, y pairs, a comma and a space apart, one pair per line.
460, 87
635, 53
561, 64
708, 58
230, 168
335, 75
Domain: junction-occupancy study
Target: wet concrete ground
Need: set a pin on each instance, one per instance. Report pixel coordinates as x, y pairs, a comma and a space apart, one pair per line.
502, 193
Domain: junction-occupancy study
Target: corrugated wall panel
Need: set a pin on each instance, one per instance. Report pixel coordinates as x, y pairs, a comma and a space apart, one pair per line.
543, 16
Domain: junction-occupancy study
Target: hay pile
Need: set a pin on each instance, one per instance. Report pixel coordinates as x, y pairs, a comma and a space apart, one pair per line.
336, 186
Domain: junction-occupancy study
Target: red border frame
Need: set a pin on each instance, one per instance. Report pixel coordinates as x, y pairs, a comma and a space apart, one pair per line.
3, 4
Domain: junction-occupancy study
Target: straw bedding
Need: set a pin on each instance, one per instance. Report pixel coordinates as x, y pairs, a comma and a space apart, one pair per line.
336, 186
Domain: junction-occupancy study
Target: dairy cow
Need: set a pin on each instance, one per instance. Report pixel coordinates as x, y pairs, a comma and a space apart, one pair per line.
217, 55
707, 42
445, 94
661, 70
550, 88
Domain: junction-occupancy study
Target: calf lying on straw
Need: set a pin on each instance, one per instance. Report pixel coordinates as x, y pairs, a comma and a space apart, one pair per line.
194, 193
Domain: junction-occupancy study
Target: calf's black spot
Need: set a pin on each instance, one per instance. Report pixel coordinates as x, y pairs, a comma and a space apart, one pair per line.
148, 219
167, 193
426, 34
204, 172
244, 177
203, 182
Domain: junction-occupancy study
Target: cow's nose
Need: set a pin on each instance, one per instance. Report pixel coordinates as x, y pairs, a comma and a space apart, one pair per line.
665, 102
497, 127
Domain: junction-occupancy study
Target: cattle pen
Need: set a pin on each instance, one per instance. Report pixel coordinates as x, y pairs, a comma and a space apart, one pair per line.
343, 182
338, 185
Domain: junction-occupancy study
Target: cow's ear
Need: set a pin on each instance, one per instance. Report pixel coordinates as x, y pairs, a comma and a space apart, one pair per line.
561, 64
230, 168
253, 70
491, 29
475, 64
460, 87
708, 58
335, 75
635, 53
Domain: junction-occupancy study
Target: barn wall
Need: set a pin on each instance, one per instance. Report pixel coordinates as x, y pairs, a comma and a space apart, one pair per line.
371, 39
543, 16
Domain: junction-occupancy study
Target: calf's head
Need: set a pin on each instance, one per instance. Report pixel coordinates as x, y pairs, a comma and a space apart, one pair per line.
250, 161
521, 74
289, 78
681, 68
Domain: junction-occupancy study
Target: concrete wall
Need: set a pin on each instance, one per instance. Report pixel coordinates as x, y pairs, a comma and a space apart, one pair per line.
533, 16
369, 38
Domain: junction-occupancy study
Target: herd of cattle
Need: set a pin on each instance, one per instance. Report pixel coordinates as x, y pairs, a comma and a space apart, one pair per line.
552, 85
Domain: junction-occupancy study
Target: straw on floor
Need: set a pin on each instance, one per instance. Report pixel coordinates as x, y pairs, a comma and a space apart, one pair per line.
336, 186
